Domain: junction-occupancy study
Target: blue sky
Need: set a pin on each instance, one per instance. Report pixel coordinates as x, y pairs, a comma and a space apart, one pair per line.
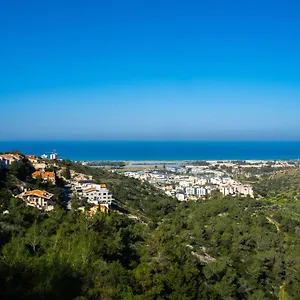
150, 69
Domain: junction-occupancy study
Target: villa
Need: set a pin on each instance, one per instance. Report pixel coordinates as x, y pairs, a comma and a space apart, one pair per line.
37, 198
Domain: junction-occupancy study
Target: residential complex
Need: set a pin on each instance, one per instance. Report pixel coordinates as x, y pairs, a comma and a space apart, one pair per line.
94, 193
192, 182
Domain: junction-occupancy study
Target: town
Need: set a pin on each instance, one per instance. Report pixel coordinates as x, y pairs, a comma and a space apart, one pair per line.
184, 180
192, 180
194, 184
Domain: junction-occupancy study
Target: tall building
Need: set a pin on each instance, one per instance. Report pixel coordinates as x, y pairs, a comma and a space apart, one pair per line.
54, 155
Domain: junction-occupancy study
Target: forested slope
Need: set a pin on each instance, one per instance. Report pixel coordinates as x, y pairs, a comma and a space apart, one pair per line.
284, 183
224, 248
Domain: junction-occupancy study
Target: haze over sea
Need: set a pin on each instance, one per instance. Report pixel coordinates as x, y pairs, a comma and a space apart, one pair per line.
160, 150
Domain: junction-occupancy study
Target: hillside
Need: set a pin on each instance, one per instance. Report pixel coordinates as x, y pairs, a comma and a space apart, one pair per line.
281, 184
225, 248
135, 197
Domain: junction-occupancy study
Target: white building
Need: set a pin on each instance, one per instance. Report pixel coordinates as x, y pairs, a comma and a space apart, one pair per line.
190, 191
54, 156
245, 190
201, 191
180, 197
97, 194
215, 180
202, 181
227, 190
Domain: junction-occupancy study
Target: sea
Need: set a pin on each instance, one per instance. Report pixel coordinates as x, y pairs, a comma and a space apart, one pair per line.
159, 150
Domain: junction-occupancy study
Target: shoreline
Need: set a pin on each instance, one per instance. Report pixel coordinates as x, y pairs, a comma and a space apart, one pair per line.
186, 160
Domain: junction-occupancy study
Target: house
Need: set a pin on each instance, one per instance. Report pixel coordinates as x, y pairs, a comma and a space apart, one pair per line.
102, 208
44, 175
37, 198
32, 158
41, 166
8, 159
49, 176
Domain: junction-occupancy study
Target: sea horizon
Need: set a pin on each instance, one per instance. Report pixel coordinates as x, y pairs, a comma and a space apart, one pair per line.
159, 150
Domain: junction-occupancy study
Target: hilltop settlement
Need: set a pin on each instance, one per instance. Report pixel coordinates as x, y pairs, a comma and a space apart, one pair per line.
51, 172
183, 180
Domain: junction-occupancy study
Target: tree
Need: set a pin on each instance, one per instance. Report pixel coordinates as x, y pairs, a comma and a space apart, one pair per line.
66, 173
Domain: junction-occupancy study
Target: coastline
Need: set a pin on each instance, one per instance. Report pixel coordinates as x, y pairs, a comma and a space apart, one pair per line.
160, 151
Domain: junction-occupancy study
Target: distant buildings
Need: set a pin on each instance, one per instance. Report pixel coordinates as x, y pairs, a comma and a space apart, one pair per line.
202, 191
192, 187
54, 156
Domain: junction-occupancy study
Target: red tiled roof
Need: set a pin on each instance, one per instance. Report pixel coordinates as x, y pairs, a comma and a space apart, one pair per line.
49, 175
39, 193
89, 190
31, 156
36, 174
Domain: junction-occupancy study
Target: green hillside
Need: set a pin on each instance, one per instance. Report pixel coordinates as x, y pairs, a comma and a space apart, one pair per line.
283, 183
226, 248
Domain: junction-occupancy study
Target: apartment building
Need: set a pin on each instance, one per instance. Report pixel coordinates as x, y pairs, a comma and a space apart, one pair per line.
95, 193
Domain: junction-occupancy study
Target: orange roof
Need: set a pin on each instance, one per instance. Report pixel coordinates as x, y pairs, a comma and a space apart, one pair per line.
94, 208
31, 156
39, 193
7, 156
103, 185
36, 174
11, 156
43, 175
48, 175
89, 190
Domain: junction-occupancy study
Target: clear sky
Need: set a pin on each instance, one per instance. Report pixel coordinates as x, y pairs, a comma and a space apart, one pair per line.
156, 69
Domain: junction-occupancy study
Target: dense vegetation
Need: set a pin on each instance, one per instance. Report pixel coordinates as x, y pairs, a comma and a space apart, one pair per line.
223, 248
285, 183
